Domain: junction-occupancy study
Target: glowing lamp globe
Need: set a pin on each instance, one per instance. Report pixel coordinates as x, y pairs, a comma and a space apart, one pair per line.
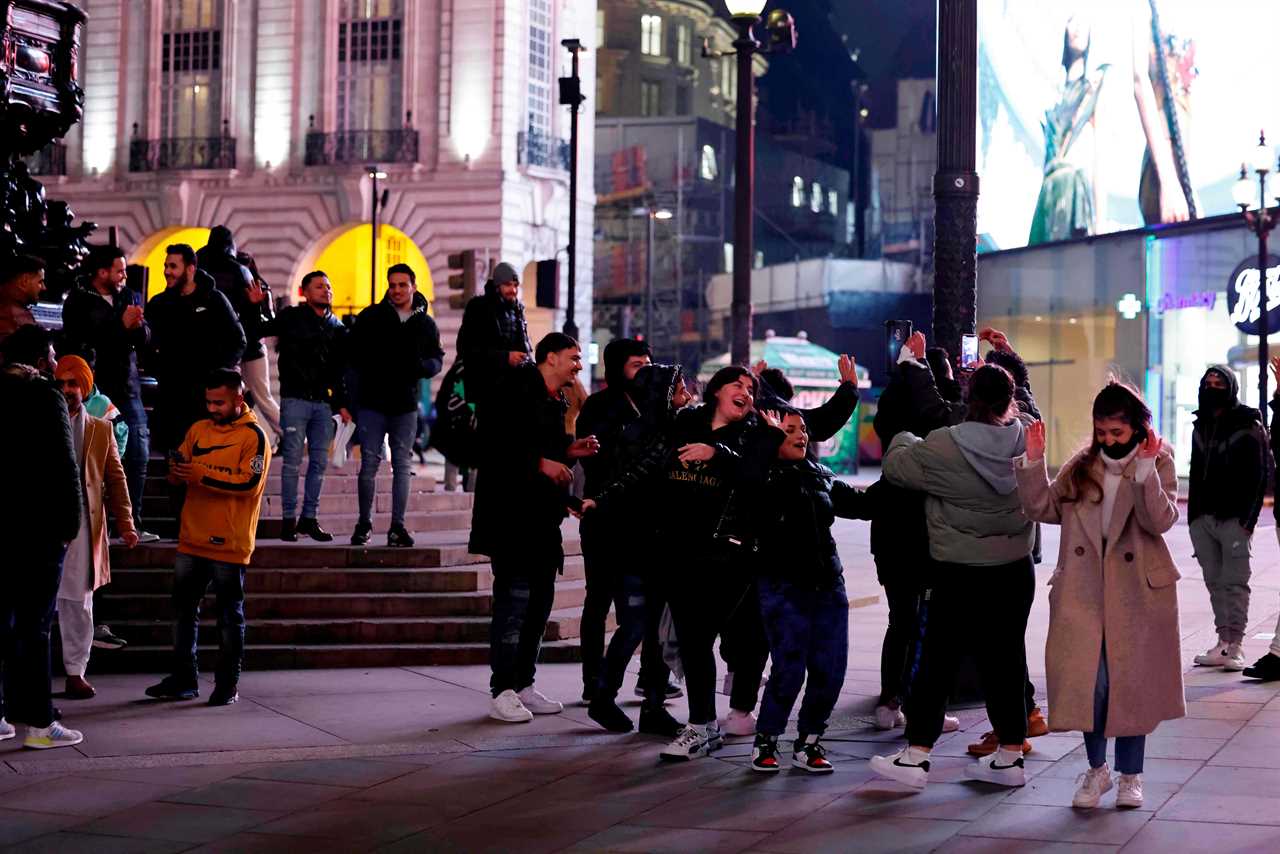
1244, 192
745, 8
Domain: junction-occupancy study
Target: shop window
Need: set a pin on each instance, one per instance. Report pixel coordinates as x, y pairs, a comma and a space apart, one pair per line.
815, 198
797, 192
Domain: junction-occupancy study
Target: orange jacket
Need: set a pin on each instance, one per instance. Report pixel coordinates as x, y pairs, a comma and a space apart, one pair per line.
229, 465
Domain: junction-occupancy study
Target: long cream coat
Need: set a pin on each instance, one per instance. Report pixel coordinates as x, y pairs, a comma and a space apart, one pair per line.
1129, 596
103, 481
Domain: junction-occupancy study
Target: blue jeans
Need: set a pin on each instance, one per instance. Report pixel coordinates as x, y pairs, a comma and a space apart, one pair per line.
400, 429
808, 633
1130, 749
309, 422
192, 576
136, 452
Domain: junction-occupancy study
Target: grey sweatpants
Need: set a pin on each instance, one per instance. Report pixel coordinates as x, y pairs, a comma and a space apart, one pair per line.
1223, 547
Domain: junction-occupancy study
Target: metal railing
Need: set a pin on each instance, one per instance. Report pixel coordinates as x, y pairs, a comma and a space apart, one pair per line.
362, 146
155, 155
50, 160
535, 148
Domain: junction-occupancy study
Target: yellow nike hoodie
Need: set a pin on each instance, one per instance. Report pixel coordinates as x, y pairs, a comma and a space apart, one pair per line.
229, 464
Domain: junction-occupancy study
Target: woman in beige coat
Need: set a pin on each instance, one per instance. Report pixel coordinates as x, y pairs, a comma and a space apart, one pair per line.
1113, 659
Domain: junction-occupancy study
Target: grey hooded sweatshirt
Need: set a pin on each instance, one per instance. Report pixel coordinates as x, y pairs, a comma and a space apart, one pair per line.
972, 506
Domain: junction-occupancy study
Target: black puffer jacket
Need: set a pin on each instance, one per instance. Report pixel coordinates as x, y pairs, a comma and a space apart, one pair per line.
313, 355
40, 504
218, 259
389, 356
1230, 461
91, 323
491, 330
797, 507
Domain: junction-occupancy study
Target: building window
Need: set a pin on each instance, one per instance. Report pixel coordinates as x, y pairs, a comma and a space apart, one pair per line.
708, 168
600, 28
191, 69
728, 257
370, 66
728, 78
850, 222
684, 44
833, 202
683, 105
540, 68
815, 199
651, 35
797, 192
650, 98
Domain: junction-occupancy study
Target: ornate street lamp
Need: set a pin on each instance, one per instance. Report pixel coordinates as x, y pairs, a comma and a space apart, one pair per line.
782, 38
1251, 196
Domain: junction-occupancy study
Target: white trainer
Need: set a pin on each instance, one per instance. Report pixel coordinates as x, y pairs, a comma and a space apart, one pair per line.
739, 723
887, 718
507, 707
7, 730
999, 769
539, 703
54, 735
1215, 656
1233, 660
1130, 794
950, 723
693, 741
908, 766
1093, 784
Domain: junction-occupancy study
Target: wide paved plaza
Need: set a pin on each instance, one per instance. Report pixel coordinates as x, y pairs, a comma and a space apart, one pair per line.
405, 760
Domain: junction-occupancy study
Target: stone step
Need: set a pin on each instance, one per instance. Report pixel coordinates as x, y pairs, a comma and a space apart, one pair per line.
340, 503
333, 606
157, 487
563, 625
159, 658
341, 525
355, 581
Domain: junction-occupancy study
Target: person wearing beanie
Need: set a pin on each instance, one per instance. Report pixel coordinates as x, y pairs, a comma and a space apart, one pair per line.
494, 336
1230, 464
87, 565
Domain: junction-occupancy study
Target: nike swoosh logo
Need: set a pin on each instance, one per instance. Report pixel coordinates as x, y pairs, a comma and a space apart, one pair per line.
995, 767
197, 451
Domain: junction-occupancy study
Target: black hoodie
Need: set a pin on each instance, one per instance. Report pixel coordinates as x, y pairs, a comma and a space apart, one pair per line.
91, 322
491, 330
1230, 460
218, 259
389, 356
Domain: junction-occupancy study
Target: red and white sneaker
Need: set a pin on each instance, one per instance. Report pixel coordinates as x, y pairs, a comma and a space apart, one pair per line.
764, 754
809, 755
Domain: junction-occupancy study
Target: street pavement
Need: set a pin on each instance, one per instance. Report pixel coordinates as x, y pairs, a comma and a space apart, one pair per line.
404, 759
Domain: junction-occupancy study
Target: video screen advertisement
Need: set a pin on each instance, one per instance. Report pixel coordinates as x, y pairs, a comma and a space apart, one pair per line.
1096, 117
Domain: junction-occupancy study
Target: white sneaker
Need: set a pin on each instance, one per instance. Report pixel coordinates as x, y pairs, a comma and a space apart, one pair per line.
693, 741
148, 537
1093, 783
507, 707
908, 766
999, 769
739, 723
1130, 794
1214, 656
887, 718
539, 703
950, 723
1233, 659
6, 730
54, 735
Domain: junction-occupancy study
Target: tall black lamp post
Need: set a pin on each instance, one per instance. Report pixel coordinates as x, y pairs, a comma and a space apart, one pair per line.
572, 97
375, 204
1251, 197
782, 38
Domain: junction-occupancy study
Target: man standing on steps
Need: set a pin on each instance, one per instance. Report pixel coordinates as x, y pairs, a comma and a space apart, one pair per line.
311, 343
520, 503
105, 317
87, 565
493, 337
393, 345
223, 462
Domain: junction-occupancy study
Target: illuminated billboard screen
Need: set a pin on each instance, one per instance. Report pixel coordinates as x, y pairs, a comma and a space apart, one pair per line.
1103, 115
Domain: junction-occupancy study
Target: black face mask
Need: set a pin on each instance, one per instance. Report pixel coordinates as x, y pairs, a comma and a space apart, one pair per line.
1119, 451
1213, 399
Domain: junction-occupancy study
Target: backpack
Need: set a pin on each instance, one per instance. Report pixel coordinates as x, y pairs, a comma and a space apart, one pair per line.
454, 433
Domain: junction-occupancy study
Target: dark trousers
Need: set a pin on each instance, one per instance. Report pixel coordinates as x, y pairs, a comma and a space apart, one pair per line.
808, 632
524, 586
639, 606
980, 610
899, 650
26, 621
744, 648
708, 596
136, 452
192, 577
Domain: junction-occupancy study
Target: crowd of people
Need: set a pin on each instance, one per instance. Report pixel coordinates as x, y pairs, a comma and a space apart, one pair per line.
705, 512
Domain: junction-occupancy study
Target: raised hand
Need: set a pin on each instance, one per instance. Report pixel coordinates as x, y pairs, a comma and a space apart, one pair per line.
759, 367
916, 344
848, 370
996, 338
132, 317
770, 417
1151, 447
1275, 372
1035, 442
255, 292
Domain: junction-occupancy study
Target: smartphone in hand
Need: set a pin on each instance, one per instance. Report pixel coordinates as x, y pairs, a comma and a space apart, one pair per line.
969, 352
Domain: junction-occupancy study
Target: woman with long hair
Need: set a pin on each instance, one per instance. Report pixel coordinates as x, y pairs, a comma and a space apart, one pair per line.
984, 579
1113, 653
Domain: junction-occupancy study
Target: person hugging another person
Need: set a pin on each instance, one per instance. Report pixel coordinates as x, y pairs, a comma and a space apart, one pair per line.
1113, 654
